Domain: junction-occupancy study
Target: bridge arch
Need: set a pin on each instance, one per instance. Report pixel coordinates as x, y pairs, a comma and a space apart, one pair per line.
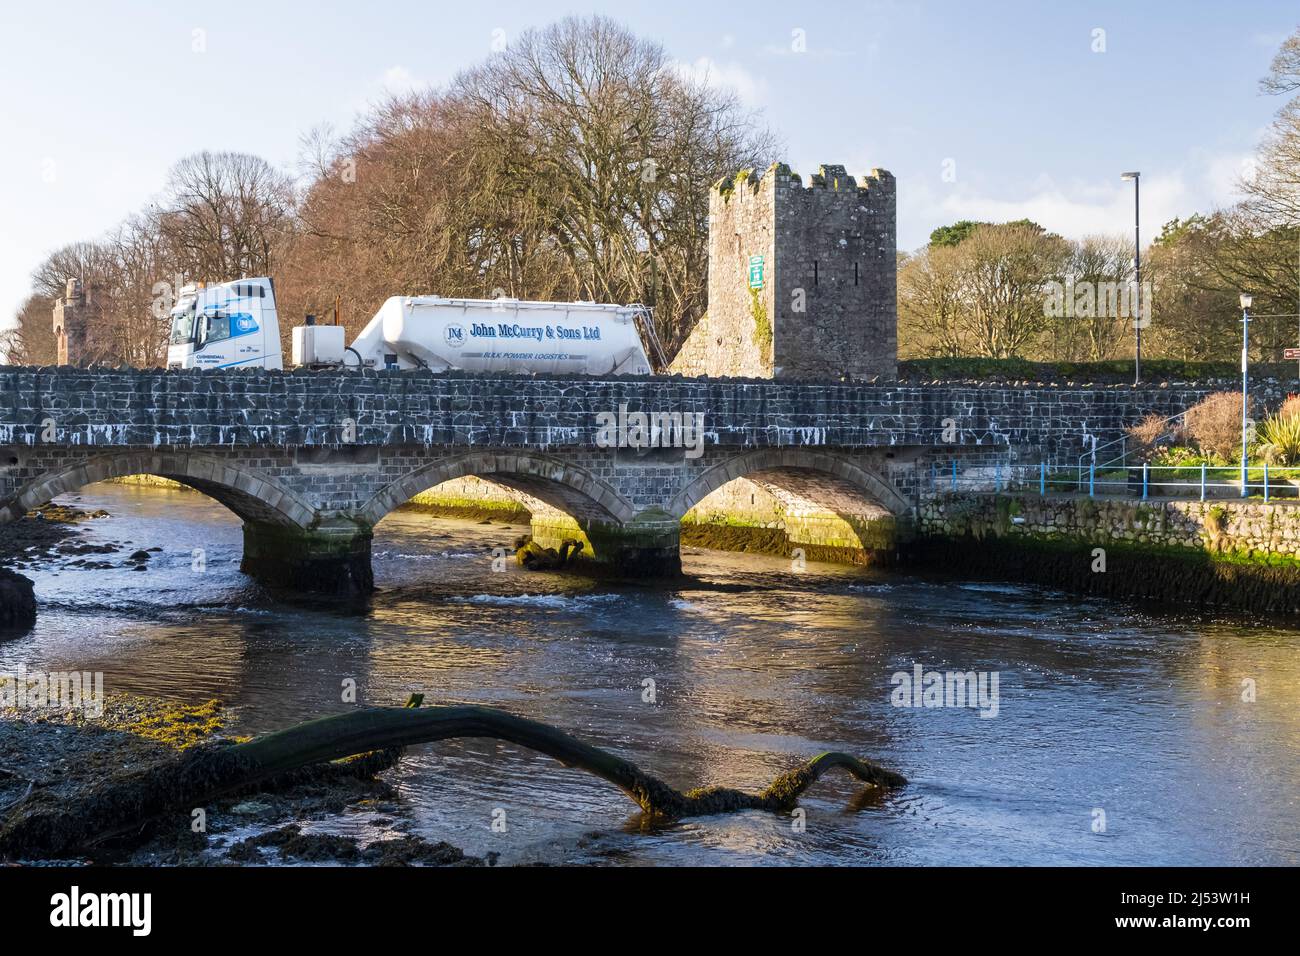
549, 482
251, 495
778, 467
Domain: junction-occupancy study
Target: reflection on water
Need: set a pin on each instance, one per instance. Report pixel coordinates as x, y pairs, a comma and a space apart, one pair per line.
755, 667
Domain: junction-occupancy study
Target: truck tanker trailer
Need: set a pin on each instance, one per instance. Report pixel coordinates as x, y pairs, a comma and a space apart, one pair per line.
235, 325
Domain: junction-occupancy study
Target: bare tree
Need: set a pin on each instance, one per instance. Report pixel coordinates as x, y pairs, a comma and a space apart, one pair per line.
931, 302
1102, 268
623, 145
1273, 191
31, 340
90, 262
575, 164
139, 329
225, 214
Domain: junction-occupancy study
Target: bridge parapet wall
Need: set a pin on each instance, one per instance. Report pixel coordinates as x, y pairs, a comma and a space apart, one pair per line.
155, 409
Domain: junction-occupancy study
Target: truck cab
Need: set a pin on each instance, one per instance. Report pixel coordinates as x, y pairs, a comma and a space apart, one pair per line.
231, 325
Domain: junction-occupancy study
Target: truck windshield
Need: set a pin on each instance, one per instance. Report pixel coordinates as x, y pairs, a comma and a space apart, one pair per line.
183, 325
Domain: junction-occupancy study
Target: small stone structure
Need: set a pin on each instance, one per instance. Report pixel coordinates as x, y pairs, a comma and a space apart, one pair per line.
802, 279
74, 315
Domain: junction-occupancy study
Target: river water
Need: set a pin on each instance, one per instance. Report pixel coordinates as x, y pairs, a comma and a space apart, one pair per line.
1106, 714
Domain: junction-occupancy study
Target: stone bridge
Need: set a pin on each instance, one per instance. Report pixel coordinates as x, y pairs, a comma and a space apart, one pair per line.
312, 461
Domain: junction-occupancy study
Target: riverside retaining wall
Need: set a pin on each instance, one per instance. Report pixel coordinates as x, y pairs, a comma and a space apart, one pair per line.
1190, 554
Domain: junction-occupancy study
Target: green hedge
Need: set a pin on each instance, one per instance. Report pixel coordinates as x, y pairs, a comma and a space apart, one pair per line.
1119, 371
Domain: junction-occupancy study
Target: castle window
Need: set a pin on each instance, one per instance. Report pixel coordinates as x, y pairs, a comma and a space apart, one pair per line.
814, 272
855, 273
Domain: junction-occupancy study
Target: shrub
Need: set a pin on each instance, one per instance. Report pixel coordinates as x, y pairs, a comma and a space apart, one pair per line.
1279, 438
1146, 434
1181, 456
1290, 408
1214, 424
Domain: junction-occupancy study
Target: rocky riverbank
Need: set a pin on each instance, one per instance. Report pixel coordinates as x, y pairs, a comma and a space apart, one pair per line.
40, 536
57, 756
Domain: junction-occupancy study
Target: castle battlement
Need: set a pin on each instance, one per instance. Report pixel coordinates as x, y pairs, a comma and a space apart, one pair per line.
834, 180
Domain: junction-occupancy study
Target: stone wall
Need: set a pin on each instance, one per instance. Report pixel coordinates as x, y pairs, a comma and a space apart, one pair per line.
1246, 529
471, 497
255, 408
836, 258
825, 304
1243, 555
788, 512
736, 339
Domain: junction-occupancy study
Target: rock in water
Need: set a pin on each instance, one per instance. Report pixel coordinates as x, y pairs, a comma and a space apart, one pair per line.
17, 600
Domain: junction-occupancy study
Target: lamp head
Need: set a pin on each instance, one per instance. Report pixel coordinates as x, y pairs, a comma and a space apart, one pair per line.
1246, 300
1127, 177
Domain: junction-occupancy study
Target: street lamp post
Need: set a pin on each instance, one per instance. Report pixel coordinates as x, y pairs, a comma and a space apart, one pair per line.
1135, 178
1246, 301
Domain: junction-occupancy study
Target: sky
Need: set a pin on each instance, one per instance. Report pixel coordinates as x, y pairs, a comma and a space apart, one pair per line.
983, 110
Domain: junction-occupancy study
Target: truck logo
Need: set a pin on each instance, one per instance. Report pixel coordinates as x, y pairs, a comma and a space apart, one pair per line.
454, 335
243, 323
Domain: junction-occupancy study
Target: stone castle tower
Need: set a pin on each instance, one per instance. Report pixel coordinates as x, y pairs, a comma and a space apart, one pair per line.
802, 279
73, 316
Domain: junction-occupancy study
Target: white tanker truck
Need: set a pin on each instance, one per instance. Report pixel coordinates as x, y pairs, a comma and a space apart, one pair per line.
235, 325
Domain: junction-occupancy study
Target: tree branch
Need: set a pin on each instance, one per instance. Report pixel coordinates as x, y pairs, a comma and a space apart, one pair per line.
123, 803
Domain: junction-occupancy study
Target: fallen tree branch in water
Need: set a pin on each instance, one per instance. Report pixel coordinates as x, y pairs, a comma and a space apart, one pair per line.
124, 803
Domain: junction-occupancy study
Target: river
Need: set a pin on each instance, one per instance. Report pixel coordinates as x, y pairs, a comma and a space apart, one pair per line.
1106, 714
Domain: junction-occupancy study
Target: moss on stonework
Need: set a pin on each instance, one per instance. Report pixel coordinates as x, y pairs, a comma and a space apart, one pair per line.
870, 541
762, 324
735, 536
1065, 541
471, 509
1180, 578
148, 481
717, 519
1217, 518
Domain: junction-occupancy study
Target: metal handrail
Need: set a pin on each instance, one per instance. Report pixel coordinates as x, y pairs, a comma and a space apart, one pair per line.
1122, 441
1145, 480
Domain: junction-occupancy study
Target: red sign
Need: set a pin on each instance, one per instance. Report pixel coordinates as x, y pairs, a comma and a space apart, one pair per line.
1291, 353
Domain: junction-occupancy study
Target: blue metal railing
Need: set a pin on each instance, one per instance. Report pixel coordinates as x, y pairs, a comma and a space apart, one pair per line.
1000, 472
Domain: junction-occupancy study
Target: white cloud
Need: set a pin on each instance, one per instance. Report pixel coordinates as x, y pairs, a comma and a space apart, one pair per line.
395, 81
398, 79
1270, 40
1078, 208
733, 76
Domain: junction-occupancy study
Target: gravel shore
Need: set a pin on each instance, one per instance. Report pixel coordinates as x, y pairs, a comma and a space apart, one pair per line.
58, 755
